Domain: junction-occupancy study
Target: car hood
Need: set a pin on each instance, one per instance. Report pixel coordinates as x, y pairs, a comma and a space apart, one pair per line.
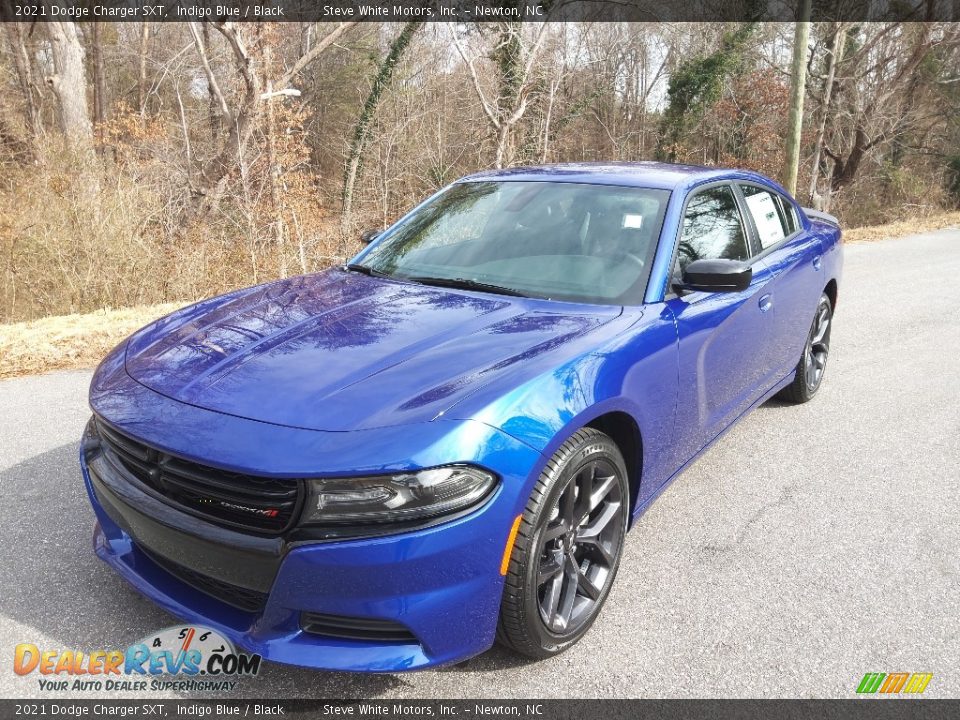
343, 351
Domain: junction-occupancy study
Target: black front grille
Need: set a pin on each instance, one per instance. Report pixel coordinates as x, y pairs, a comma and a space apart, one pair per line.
351, 628
238, 597
262, 505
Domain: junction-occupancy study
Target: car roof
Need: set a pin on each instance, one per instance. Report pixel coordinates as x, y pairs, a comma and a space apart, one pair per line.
657, 175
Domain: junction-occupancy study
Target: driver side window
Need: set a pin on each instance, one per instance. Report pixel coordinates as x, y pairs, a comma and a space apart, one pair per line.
712, 229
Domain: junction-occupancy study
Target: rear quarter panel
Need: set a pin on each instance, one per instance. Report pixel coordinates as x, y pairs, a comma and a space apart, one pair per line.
831, 239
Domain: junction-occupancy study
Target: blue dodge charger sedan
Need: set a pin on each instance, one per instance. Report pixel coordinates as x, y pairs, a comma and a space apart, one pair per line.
391, 464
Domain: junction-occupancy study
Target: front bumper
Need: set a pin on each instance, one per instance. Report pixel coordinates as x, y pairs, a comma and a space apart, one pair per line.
442, 583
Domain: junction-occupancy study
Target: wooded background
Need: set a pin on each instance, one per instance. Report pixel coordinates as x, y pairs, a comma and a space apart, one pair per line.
141, 163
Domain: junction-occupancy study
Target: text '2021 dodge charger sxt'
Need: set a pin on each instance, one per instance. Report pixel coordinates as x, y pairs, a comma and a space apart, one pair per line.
391, 464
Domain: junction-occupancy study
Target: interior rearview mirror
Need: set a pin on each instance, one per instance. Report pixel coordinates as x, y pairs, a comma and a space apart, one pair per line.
368, 236
715, 276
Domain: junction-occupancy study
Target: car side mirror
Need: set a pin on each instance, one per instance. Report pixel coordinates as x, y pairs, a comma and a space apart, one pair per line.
368, 236
715, 276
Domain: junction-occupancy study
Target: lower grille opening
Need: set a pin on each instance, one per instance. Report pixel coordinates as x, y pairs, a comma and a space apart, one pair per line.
351, 628
239, 597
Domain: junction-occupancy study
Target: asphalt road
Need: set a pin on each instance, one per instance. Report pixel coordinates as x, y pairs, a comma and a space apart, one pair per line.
811, 545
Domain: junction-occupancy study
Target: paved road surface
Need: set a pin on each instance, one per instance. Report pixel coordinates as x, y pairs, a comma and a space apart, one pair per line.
811, 545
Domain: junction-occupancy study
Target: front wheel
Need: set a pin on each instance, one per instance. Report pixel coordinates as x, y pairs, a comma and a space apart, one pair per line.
813, 362
568, 547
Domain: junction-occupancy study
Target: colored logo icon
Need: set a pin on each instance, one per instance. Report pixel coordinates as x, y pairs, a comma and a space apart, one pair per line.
906, 683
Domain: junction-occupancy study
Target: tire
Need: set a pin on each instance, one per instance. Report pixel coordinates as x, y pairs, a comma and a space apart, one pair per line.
544, 543
813, 362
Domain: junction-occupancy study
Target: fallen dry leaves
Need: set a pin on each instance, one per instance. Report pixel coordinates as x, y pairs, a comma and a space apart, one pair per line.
899, 228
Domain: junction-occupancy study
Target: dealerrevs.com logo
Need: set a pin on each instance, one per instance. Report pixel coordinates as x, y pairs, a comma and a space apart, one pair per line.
199, 659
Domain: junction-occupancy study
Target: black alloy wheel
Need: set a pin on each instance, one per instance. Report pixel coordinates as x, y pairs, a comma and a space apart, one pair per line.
813, 362
568, 547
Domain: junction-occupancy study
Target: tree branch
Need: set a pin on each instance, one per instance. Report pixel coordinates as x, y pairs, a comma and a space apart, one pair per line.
211, 78
314, 53
491, 116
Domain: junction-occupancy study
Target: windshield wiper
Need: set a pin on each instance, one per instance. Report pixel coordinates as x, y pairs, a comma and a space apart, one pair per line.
364, 269
465, 284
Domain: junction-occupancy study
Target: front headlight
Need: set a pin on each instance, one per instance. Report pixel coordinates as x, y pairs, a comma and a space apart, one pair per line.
399, 497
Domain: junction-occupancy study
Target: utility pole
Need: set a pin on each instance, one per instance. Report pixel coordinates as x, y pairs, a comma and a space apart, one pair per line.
797, 88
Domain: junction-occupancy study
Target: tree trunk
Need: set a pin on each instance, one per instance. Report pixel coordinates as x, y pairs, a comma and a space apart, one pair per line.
142, 73
24, 69
797, 90
845, 169
514, 61
273, 168
508, 57
69, 83
836, 52
238, 124
99, 79
213, 177
361, 132
215, 117
896, 90
503, 137
306, 38
545, 141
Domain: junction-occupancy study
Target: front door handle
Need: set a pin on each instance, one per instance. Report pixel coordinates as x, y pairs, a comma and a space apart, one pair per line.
766, 302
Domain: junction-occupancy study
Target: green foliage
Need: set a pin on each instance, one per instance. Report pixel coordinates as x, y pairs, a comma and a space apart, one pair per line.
696, 84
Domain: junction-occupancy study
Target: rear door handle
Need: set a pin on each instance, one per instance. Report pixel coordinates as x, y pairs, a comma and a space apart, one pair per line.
817, 263
766, 302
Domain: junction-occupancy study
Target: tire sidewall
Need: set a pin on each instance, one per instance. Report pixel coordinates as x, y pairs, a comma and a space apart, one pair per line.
824, 300
588, 450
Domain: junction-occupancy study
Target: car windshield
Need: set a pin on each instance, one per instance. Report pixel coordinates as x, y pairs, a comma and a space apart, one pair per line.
566, 241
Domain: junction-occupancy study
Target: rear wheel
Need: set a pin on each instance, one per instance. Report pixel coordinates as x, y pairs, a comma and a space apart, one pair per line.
813, 362
568, 547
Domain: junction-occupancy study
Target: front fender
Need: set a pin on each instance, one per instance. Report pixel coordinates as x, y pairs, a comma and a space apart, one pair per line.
635, 372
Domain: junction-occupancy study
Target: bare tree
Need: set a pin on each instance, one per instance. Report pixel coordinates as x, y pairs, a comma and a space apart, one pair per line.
514, 54
142, 68
362, 129
239, 118
100, 101
68, 81
876, 77
24, 69
223, 175
835, 52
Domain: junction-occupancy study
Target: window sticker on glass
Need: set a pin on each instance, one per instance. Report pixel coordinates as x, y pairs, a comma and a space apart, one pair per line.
633, 222
766, 218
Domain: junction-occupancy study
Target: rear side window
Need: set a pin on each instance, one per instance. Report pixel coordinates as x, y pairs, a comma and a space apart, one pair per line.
712, 228
772, 215
793, 224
